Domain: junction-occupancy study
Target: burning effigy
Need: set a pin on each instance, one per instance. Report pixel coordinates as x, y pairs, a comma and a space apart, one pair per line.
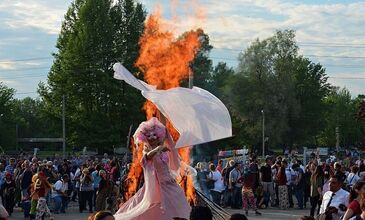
190, 116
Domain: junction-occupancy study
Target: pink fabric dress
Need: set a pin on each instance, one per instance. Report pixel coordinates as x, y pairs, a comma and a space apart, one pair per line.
160, 198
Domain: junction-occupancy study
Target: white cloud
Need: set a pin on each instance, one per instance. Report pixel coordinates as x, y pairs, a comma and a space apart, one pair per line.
45, 15
236, 23
7, 65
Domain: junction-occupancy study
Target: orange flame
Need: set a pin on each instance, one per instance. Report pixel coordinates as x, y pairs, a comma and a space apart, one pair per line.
165, 62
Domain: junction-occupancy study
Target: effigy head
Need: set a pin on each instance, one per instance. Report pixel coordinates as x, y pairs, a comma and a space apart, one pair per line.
151, 131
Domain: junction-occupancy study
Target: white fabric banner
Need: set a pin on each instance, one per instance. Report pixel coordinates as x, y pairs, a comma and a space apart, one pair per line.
196, 114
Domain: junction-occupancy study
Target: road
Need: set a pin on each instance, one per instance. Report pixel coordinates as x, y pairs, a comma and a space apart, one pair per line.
267, 214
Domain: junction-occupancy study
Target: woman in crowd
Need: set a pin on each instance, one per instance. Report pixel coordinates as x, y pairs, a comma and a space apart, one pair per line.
42, 188
282, 188
316, 183
362, 207
86, 191
248, 197
8, 191
354, 208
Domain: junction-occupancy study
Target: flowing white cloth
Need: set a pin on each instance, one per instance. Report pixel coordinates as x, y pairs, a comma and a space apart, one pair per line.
196, 114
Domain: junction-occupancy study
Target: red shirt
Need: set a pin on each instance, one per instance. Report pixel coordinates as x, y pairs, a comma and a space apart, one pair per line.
220, 168
355, 206
281, 177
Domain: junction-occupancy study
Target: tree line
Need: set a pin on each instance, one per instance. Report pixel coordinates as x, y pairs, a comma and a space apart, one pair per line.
300, 106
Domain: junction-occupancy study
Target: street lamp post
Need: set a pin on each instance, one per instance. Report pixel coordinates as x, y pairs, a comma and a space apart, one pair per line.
263, 133
63, 128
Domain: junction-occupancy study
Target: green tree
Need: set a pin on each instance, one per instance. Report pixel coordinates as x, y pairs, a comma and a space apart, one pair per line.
95, 35
311, 89
7, 126
273, 77
263, 81
341, 114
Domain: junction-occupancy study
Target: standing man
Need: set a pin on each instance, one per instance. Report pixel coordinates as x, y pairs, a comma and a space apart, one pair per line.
236, 186
299, 185
267, 180
336, 200
11, 166
228, 192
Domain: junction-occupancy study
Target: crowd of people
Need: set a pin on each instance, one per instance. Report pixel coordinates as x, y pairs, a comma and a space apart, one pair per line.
44, 188
326, 186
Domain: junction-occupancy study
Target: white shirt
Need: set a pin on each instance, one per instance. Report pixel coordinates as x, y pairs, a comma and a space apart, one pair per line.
290, 175
218, 181
340, 197
59, 186
352, 178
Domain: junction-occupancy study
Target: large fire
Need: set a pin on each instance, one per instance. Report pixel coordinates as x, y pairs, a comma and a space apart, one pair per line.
165, 62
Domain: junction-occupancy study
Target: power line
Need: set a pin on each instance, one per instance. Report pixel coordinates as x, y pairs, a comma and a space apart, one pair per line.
333, 56
327, 46
334, 44
26, 59
23, 69
24, 76
340, 77
307, 55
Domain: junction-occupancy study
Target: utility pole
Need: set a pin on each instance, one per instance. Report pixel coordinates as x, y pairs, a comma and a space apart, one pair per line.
263, 133
63, 128
337, 138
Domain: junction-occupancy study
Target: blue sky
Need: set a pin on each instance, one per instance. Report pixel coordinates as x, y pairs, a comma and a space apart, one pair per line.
328, 31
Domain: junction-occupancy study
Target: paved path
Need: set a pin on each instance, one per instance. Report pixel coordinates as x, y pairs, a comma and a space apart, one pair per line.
272, 213
267, 214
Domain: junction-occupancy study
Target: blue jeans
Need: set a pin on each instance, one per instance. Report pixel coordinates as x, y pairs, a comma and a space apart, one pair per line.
216, 196
60, 204
299, 194
237, 197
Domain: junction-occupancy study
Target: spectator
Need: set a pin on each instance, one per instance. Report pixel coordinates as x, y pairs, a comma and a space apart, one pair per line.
267, 180
354, 208
42, 188
215, 176
316, 183
11, 166
227, 200
96, 177
235, 186
220, 166
86, 190
248, 197
352, 178
201, 178
60, 196
299, 185
336, 200
282, 187
8, 193
105, 159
